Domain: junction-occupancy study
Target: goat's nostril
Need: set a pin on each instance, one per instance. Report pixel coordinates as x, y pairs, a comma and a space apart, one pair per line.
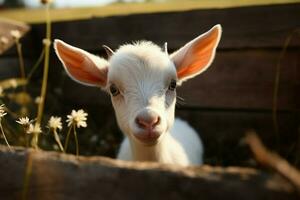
156, 121
140, 123
147, 122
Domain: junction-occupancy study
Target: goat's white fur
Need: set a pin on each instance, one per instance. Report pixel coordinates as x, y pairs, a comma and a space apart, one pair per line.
182, 146
145, 87
142, 72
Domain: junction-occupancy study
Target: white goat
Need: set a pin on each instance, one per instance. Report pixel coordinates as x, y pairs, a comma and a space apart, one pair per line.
141, 79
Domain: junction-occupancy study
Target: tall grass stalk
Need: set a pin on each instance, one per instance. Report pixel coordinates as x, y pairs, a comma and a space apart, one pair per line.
21, 60
36, 65
21, 64
68, 138
47, 43
35, 140
3, 134
277, 81
76, 140
56, 137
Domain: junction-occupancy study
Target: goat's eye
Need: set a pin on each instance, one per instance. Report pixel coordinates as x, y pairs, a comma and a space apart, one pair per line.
114, 90
172, 85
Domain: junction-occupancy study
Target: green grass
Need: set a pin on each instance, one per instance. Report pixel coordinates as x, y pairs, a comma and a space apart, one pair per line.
37, 15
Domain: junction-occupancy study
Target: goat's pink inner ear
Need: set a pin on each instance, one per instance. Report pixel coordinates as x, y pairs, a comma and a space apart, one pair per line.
80, 66
70, 58
197, 55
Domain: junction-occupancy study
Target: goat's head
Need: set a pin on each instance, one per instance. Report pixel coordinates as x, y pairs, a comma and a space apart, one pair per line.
141, 79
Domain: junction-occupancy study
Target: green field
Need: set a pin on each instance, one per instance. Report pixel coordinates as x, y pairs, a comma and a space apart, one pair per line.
37, 15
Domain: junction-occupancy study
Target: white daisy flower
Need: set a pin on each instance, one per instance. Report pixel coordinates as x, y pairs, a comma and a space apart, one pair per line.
2, 111
55, 123
77, 118
24, 121
34, 129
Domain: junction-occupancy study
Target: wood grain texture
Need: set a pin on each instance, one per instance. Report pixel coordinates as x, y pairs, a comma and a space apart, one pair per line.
222, 132
117, 9
244, 27
9, 67
58, 176
236, 80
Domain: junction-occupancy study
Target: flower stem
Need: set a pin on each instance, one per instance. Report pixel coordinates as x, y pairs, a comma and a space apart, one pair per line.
21, 63
46, 67
68, 138
21, 60
2, 131
45, 74
35, 139
36, 65
26, 139
56, 137
76, 141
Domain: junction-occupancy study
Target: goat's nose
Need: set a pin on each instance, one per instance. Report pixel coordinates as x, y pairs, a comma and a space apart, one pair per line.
147, 120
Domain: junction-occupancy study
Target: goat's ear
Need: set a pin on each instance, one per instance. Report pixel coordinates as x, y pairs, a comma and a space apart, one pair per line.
82, 66
196, 56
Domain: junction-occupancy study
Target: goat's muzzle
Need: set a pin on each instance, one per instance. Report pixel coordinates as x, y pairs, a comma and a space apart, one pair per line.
147, 121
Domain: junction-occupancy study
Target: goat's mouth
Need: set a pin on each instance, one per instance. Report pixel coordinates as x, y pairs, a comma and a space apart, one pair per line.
147, 137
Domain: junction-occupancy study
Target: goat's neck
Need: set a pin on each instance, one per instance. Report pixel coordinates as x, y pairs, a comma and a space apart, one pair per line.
159, 152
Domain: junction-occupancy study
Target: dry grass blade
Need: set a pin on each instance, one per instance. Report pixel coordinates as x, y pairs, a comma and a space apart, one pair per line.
6, 26
277, 81
272, 160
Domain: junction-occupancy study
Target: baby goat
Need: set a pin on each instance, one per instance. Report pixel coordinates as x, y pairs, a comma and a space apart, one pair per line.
141, 79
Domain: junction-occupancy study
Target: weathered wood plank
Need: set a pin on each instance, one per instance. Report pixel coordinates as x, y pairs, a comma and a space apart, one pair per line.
222, 133
236, 80
245, 79
9, 67
57, 176
245, 27
117, 9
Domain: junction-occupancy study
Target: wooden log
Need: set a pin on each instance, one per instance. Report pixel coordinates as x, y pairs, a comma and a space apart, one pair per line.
6, 38
58, 176
272, 160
